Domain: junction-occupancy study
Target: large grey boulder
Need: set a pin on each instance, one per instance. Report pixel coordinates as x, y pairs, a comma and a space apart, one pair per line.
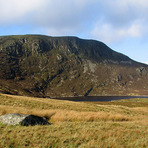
22, 119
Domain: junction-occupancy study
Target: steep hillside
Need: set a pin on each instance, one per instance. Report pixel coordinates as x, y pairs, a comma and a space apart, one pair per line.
67, 66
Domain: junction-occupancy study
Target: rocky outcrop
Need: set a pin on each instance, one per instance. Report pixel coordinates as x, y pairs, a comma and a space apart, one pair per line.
141, 71
22, 119
44, 66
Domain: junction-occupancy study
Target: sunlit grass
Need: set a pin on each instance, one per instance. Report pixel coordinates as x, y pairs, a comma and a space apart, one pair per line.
76, 124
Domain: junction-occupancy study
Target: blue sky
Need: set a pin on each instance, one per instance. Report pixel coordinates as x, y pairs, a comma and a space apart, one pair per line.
121, 24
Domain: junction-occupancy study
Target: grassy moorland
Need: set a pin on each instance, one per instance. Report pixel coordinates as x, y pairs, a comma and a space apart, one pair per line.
115, 124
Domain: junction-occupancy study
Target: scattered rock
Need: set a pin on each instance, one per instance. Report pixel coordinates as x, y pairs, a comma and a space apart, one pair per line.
22, 119
141, 71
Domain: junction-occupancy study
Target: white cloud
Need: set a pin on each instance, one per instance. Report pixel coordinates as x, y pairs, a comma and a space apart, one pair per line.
54, 17
108, 33
64, 13
16, 10
146, 62
109, 21
120, 20
45, 12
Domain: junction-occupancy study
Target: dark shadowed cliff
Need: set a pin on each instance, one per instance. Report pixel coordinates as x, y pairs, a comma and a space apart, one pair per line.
67, 66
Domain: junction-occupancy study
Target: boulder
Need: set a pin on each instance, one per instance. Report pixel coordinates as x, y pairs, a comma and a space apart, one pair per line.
22, 119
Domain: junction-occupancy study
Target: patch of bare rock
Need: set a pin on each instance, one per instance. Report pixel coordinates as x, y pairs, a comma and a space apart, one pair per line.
22, 119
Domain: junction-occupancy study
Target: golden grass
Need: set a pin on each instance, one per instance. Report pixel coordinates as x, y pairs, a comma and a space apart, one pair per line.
56, 115
76, 134
76, 124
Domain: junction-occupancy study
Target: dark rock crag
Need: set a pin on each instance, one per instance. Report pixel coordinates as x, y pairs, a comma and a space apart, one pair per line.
43, 66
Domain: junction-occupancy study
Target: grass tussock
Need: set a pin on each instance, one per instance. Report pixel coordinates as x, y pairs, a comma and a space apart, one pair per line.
55, 115
75, 134
87, 116
76, 124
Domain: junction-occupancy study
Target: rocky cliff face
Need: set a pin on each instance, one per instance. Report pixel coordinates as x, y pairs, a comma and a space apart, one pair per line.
67, 66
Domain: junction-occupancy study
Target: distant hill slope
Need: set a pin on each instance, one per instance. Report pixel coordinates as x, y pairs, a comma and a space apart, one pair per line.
45, 66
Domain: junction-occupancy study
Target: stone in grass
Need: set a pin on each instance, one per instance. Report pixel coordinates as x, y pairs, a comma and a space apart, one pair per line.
22, 119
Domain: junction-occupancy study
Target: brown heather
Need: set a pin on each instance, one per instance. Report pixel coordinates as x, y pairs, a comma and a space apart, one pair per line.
43, 66
117, 124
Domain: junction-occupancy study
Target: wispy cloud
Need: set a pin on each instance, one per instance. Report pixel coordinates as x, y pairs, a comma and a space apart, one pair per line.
109, 21
120, 23
59, 15
146, 62
16, 11
121, 19
109, 33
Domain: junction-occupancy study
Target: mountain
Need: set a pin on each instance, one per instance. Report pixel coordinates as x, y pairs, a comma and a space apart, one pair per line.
44, 66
